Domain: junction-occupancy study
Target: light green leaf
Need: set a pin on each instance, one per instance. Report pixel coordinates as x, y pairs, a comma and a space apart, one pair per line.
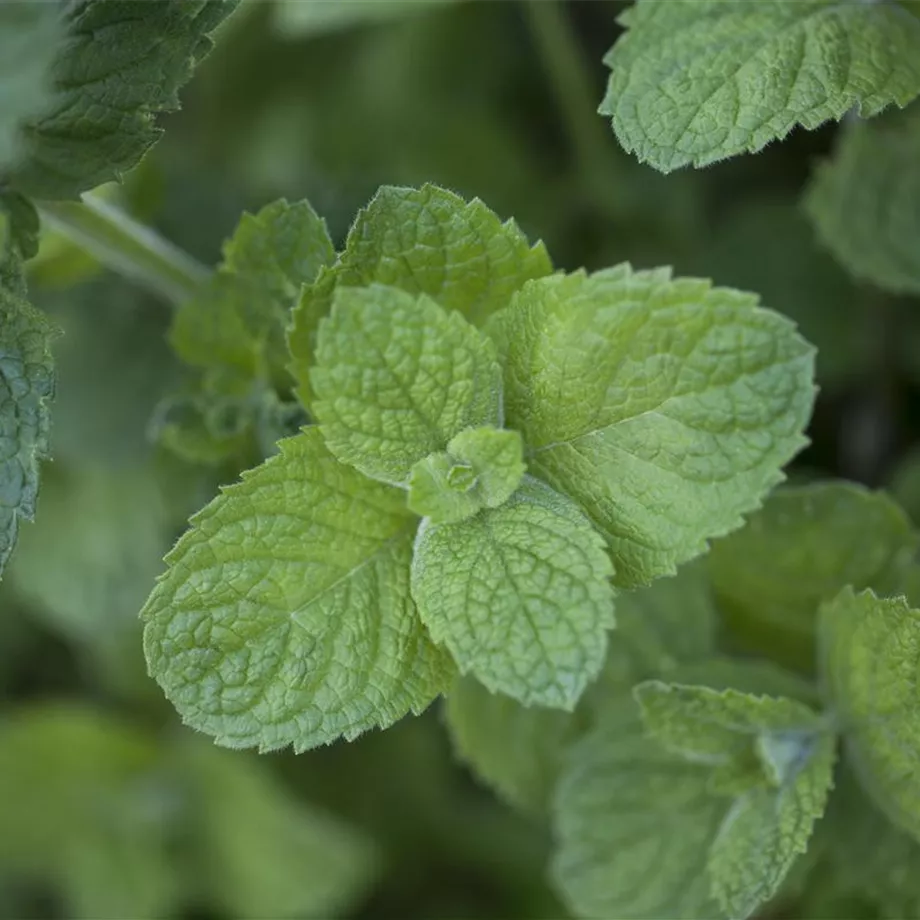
306, 18
30, 35
307, 863
693, 83
122, 65
868, 655
285, 617
516, 750
89, 815
664, 441
396, 377
633, 826
519, 595
802, 547
423, 241
238, 321
26, 389
865, 200
481, 468
766, 830
762, 737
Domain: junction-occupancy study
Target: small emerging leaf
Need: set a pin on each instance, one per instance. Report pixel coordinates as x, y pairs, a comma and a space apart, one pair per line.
693, 83
519, 595
397, 377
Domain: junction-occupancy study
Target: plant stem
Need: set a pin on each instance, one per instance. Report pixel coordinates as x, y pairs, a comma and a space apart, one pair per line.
572, 85
130, 248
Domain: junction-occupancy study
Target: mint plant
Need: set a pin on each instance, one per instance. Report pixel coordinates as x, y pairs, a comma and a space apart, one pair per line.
405, 463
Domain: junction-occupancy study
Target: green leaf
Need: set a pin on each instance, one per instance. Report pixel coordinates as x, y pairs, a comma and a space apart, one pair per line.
633, 826
90, 816
481, 468
516, 750
868, 655
695, 83
122, 65
764, 737
284, 616
19, 227
30, 36
519, 595
865, 200
396, 377
766, 830
308, 18
423, 241
26, 389
802, 547
237, 322
665, 442
307, 863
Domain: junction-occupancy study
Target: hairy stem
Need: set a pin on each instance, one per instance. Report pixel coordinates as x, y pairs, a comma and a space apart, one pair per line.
571, 83
127, 247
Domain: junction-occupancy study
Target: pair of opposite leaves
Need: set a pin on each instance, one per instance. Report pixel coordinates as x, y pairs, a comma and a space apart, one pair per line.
650, 413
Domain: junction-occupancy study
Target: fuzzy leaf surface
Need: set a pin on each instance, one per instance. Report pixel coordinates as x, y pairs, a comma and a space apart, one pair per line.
865, 201
397, 376
802, 547
693, 83
520, 595
422, 241
664, 440
284, 616
869, 648
122, 65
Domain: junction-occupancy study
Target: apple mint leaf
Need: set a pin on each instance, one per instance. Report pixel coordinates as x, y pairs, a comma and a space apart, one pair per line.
481, 468
30, 35
693, 83
633, 826
868, 656
520, 595
802, 547
396, 377
766, 830
865, 200
237, 321
284, 616
26, 390
665, 442
121, 65
308, 863
515, 750
423, 241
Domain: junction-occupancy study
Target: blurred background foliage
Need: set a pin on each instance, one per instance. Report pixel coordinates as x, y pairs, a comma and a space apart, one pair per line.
108, 807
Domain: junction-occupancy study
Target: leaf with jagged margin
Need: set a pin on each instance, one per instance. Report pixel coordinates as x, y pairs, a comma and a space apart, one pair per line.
802, 547
516, 750
121, 65
868, 651
307, 863
26, 390
633, 826
396, 377
694, 83
520, 595
864, 200
481, 468
868, 855
237, 321
766, 830
665, 441
423, 241
30, 36
741, 734
284, 616
89, 815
